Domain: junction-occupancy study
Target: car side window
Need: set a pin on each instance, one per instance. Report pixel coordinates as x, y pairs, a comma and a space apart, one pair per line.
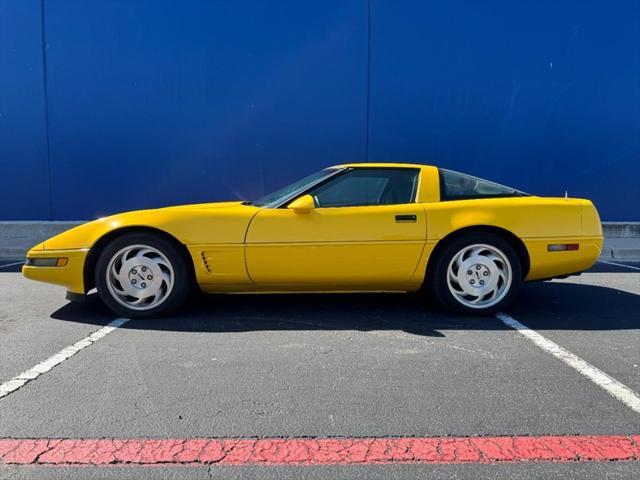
368, 186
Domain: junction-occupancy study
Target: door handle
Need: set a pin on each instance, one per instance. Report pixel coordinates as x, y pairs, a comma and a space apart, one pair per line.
405, 218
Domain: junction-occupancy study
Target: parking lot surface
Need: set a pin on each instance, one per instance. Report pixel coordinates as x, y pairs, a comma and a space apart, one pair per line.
388, 367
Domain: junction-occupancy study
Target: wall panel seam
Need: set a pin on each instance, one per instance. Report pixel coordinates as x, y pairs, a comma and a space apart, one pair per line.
46, 106
368, 92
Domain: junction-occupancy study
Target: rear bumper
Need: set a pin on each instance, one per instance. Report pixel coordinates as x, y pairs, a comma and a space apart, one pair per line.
71, 276
545, 264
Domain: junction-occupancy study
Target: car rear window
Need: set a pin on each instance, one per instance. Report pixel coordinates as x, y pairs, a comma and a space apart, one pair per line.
460, 186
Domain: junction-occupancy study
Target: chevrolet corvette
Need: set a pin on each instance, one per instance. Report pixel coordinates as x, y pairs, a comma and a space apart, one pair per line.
468, 242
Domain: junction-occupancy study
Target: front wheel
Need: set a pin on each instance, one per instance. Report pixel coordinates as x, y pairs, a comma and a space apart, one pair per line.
141, 275
477, 274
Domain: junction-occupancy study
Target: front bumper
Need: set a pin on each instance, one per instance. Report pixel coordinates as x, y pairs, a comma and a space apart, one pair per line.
70, 276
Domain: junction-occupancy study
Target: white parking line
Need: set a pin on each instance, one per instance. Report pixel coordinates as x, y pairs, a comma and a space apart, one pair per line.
619, 265
604, 381
16, 382
11, 264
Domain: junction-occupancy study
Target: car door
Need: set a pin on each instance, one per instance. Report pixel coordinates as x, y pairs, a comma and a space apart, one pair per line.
364, 232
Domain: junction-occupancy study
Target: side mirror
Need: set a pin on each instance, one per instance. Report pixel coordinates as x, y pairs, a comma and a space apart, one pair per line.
304, 204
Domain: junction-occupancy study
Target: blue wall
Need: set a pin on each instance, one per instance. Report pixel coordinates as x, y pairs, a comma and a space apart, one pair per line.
114, 105
24, 163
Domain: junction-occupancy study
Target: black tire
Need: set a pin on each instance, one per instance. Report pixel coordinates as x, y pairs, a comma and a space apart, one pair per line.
182, 278
437, 281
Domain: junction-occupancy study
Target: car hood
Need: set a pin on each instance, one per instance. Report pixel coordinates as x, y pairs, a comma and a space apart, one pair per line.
204, 223
198, 206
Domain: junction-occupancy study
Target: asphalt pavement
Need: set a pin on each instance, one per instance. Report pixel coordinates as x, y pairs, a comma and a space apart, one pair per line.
349, 366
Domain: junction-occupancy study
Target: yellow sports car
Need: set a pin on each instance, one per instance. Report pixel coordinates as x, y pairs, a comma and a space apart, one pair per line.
355, 227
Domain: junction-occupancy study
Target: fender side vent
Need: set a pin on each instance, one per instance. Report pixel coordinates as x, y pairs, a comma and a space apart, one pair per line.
205, 261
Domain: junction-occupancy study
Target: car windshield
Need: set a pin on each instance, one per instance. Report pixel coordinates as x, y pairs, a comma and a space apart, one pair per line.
298, 186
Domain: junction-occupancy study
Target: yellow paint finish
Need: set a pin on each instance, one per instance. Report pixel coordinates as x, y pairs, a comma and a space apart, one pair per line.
302, 288
525, 217
303, 204
330, 265
69, 276
335, 246
218, 223
591, 225
219, 264
545, 264
418, 277
39, 246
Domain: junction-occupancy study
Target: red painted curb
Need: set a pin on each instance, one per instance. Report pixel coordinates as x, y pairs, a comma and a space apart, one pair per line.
322, 451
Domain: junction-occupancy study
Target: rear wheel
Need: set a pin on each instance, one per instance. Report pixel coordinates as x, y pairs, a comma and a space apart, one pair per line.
141, 275
477, 274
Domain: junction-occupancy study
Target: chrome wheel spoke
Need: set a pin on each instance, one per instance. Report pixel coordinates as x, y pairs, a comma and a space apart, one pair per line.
161, 263
168, 280
493, 258
120, 291
140, 300
146, 251
458, 262
491, 295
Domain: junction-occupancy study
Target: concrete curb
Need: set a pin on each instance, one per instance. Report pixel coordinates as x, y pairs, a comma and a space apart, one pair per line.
622, 239
630, 254
16, 238
621, 229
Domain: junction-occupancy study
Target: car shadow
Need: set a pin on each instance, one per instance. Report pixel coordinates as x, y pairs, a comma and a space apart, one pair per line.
541, 305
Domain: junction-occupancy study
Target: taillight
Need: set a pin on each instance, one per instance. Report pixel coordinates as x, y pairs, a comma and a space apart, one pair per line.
562, 247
